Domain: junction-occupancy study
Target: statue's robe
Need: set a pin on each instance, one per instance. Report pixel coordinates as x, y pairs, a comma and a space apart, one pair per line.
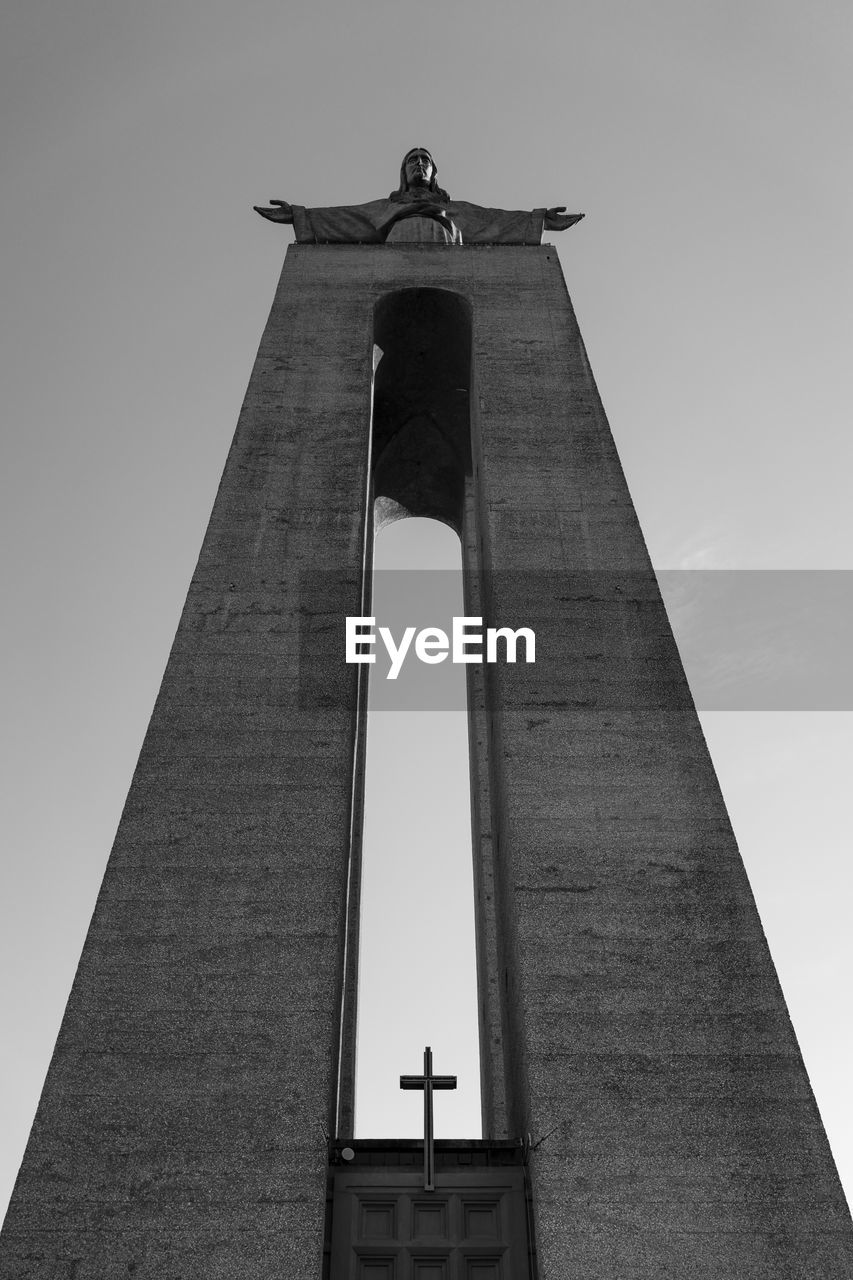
369, 224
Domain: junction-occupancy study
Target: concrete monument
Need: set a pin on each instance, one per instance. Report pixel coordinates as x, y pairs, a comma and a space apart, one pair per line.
646, 1111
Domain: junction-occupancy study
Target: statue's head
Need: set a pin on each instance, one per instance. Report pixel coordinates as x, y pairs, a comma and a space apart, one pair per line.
417, 174
418, 169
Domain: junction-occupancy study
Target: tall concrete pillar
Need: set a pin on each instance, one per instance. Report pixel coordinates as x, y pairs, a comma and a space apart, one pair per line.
633, 1030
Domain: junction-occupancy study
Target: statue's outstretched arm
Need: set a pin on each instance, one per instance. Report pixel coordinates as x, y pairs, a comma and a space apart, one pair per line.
557, 219
280, 212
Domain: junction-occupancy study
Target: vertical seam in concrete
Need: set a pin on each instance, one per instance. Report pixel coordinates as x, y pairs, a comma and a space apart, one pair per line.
346, 1077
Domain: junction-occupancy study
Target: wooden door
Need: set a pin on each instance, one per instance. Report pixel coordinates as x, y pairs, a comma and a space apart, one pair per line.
472, 1227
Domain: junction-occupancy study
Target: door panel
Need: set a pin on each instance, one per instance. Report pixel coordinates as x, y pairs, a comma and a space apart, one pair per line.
472, 1227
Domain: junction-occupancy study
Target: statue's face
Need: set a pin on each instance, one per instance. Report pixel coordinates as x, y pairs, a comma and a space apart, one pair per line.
419, 169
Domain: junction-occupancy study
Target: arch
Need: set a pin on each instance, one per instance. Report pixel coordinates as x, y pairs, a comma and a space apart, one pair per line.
421, 425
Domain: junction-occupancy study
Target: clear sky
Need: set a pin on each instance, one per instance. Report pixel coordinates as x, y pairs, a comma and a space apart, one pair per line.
708, 144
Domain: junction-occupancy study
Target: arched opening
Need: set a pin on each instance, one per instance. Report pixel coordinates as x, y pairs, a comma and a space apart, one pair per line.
421, 438
417, 954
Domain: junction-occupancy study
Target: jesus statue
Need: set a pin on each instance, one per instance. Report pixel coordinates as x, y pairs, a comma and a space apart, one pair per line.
419, 210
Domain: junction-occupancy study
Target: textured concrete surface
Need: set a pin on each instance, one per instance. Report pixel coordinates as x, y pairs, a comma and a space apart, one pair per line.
646, 1044
632, 1021
181, 1130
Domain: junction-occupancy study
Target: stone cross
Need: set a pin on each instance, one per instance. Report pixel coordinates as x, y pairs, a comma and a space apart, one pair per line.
428, 1082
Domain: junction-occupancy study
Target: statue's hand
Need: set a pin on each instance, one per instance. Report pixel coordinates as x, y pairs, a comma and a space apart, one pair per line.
281, 211
557, 219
